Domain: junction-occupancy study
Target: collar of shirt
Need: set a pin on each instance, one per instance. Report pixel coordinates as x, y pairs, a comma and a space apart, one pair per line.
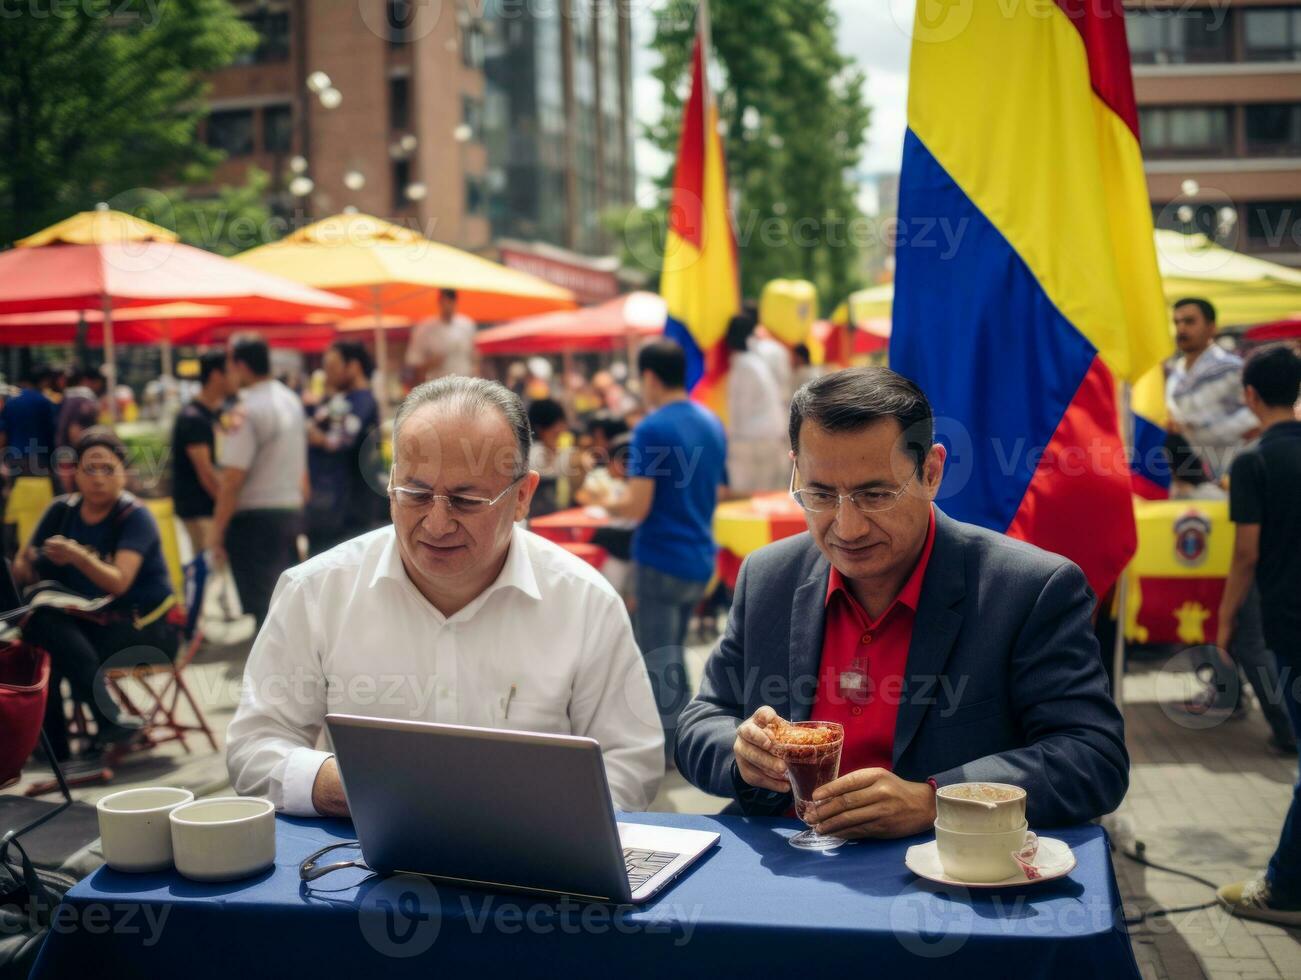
1213, 358
908, 596
518, 573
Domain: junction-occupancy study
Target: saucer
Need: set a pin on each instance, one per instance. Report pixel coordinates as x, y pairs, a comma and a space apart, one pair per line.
1056, 860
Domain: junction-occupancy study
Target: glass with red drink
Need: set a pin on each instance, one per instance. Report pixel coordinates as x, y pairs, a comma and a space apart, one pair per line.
811, 751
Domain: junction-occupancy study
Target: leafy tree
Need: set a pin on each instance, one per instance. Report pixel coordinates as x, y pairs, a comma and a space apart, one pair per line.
104, 96
796, 121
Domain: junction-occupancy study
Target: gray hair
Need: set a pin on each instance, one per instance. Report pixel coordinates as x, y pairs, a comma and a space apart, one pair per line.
471, 397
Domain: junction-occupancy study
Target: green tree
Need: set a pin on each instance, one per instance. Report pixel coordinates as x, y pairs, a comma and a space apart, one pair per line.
796, 122
100, 97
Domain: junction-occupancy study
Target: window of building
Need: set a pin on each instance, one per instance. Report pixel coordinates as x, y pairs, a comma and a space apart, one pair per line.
277, 129
400, 16
272, 28
231, 131
1185, 131
1178, 37
399, 103
1274, 130
1274, 224
472, 116
472, 44
476, 195
1272, 34
401, 179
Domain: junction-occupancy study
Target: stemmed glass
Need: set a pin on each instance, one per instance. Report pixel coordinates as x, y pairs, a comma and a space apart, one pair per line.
810, 763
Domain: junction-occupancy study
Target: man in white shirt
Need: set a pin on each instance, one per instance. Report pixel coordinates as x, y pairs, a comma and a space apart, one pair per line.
443, 345
756, 419
453, 614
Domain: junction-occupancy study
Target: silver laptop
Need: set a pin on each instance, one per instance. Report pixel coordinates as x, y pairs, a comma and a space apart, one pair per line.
500, 809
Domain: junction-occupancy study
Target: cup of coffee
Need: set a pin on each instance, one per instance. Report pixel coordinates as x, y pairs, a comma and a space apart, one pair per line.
134, 830
224, 838
973, 808
980, 857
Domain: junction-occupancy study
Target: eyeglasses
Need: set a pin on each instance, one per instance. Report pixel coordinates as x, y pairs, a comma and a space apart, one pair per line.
867, 501
422, 498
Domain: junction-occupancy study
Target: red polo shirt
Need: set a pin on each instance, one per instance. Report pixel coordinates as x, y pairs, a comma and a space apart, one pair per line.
860, 682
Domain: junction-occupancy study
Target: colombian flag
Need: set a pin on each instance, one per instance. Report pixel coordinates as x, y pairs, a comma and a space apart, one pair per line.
1026, 280
1150, 463
701, 278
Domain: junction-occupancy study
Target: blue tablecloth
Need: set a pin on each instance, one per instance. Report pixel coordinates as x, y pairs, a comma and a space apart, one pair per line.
752, 907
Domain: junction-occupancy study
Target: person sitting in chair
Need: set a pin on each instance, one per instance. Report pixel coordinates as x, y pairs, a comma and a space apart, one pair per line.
96, 542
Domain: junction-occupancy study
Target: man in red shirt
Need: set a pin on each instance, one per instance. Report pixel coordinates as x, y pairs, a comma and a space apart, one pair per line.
948, 652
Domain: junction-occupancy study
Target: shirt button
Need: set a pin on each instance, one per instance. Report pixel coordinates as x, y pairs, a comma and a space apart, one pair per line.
867, 638
855, 711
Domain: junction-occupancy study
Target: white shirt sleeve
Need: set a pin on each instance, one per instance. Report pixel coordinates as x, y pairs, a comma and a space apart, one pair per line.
418, 344
612, 702
271, 743
238, 447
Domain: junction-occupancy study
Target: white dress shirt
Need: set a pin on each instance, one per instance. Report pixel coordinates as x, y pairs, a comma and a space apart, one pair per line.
349, 632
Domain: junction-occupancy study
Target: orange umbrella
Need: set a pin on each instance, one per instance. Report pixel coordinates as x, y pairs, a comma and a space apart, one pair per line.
615, 325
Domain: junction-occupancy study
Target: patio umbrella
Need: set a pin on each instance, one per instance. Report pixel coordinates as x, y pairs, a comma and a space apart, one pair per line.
394, 271
134, 325
1244, 289
105, 260
616, 325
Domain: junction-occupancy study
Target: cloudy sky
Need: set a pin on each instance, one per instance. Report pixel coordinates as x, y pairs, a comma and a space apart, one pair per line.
869, 31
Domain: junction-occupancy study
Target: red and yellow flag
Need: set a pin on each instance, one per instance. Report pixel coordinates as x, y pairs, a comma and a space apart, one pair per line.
701, 277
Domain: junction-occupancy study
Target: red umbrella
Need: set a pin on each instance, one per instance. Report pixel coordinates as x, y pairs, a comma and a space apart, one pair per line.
1279, 330
615, 325
136, 325
105, 260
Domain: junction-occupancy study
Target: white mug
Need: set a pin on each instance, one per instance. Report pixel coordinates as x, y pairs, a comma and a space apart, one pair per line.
134, 830
980, 807
980, 857
224, 838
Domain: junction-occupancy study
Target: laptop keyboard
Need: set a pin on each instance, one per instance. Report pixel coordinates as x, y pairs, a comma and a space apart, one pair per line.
642, 866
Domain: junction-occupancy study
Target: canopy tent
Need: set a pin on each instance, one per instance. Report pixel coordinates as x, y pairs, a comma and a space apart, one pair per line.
105, 260
135, 325
617, 325
1289, 329
396, 271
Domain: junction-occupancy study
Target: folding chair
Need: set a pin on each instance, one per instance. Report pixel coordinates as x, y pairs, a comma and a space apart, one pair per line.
24, 686
161, 687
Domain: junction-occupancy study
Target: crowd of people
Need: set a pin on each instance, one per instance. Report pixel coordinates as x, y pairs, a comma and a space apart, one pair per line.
428, 557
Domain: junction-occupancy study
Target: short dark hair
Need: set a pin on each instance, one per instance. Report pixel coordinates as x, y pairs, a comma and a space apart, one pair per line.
210, 363
101, 435
1205, 305
84, 374
850, 400
1275, 372
803, 353
739, 329
621, 448
354, 352
447, 292
544, 413
608, 423
667, 361
251, 350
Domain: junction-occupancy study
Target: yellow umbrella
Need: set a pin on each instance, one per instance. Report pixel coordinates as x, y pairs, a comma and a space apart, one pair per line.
398, 272
1244, 289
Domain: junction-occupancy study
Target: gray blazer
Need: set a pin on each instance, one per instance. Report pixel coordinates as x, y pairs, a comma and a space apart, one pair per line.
1004, 681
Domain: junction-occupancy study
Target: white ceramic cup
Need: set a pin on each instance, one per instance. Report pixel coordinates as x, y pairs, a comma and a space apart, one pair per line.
979, 857
133, 828
224, 838
980, 807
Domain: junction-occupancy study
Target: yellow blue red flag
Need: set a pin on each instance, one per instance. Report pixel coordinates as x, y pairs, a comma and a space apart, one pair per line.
1026, 277
701, 278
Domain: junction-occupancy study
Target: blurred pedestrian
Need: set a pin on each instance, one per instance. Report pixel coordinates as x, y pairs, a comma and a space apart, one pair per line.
195, 480
676, 468
442, 345
27, 425
1265, 505
550, 457
756, 459
263, 456
342, 455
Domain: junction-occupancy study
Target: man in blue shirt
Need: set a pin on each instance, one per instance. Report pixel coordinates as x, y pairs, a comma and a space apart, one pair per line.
675, 470
27, 427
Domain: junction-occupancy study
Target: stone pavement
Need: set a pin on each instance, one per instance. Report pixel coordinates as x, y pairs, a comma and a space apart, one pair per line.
1209, 800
